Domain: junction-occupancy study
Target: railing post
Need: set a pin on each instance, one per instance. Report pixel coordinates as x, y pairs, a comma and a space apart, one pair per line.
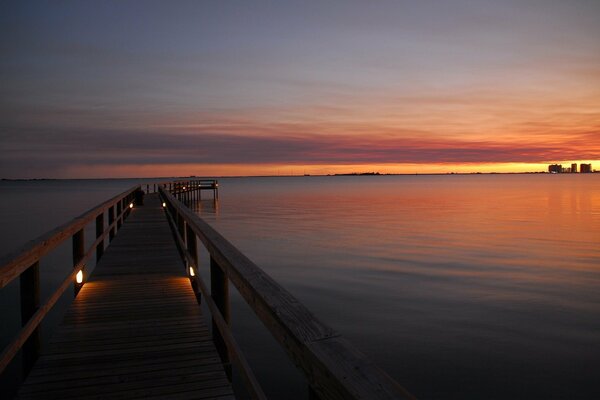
30, 303
139, 197
119, 210
192, 247
78, 253
99, 232
111, 219
219, 291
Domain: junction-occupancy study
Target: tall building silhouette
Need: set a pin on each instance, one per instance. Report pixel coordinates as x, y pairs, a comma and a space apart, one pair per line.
555, 168
573, 168
585, 168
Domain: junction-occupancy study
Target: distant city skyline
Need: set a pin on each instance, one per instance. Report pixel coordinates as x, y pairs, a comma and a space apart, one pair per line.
125, 89
559, 169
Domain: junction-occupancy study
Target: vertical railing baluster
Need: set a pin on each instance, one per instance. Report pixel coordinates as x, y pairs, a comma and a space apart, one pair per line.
219, 291
78, 253
119, 210
30, 303
139, 197
99, 232
192, 247
111, 219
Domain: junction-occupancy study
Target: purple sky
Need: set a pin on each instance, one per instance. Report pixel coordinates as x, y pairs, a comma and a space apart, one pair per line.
122, 83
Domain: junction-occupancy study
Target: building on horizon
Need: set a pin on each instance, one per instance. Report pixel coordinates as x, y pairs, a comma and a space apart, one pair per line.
585, 168
555, 168
573, 168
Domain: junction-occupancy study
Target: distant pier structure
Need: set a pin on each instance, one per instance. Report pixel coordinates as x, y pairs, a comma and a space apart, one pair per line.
135, 328
187, 189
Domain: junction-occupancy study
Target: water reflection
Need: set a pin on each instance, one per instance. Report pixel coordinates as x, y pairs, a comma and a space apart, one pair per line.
204, 207
458, 286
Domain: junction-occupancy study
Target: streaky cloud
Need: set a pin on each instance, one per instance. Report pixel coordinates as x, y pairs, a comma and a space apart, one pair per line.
68, 148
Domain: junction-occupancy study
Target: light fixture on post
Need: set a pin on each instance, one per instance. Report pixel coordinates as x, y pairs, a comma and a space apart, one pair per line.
192, 273
164, 204
130, 205
79, 277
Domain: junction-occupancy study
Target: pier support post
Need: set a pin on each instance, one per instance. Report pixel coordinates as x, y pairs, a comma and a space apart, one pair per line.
99, 232
30, 302
78, 253
219, 291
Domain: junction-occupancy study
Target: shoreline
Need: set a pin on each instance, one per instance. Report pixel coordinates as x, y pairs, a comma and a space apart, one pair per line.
374, 174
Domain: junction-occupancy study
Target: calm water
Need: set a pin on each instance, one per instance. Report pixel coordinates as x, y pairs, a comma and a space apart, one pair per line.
479, 286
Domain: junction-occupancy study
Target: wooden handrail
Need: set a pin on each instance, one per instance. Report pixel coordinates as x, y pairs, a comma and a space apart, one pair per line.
333, 367
17, 263
13, 265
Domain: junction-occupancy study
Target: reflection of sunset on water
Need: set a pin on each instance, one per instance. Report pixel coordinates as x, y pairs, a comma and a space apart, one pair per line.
482, 278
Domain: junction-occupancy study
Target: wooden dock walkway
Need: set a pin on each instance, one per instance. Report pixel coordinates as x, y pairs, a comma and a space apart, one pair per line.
135, 329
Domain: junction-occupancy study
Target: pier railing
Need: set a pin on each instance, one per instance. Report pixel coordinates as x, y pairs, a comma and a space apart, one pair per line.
190, 186
333, 367
25, 264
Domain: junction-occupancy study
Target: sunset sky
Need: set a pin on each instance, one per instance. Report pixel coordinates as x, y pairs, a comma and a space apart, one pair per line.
132, 88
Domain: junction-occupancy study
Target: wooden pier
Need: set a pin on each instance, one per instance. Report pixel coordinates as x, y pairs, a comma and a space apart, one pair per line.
135, 329
138, 312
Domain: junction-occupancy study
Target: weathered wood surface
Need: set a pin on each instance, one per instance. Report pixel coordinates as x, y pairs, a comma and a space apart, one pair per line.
135, 329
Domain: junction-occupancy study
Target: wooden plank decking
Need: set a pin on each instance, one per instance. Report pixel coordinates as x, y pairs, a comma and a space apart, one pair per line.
135, 329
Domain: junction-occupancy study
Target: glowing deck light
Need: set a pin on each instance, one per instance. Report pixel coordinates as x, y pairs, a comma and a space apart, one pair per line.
130, 205
164, 204
79, 276
192, 273
184, 188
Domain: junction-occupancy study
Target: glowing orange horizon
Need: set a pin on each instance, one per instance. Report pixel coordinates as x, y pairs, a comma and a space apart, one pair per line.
168, 170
